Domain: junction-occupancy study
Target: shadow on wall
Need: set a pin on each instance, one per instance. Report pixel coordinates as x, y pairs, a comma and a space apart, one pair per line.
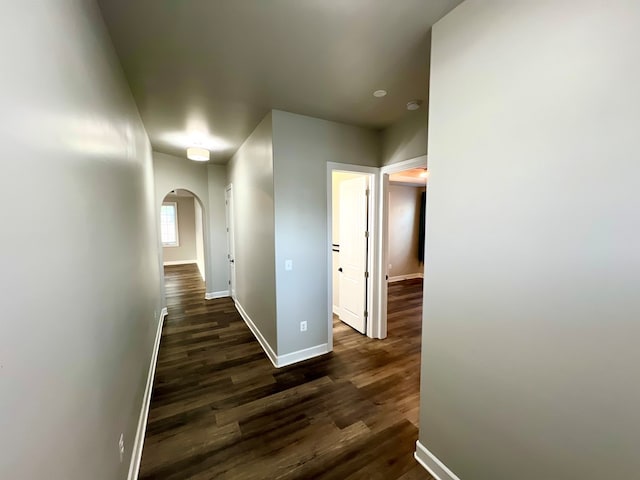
406, 138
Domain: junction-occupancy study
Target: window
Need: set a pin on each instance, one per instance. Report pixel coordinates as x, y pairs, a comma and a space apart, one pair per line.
169, 224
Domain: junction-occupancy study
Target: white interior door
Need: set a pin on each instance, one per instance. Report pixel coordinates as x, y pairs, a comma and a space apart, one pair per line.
353, 252
231, 256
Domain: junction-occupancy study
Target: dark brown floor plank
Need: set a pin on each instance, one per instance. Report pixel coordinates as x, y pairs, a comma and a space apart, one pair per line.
219, 409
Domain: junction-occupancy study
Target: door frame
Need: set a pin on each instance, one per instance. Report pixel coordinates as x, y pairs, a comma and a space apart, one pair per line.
382, 259
231, 247
208, 273
374, 181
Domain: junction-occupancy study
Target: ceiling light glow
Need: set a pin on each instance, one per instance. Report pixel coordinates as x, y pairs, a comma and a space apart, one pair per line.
380, 93
198, 154
184, 140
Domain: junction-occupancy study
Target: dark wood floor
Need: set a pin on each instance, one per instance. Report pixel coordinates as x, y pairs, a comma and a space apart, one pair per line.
221, 410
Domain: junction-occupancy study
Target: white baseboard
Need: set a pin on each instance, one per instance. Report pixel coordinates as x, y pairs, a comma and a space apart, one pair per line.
300, 355
136, 454
214, 295
282, 360
180, 262
256, 333
410, 276
432, 464
336, 310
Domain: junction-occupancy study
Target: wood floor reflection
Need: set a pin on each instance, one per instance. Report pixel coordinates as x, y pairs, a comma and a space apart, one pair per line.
220, 409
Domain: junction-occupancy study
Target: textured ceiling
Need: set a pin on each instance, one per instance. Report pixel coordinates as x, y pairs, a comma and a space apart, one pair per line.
214, 68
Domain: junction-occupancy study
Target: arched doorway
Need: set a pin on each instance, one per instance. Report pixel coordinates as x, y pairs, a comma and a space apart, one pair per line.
182, 231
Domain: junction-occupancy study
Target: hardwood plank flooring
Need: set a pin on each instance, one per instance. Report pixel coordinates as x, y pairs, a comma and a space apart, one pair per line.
219, 408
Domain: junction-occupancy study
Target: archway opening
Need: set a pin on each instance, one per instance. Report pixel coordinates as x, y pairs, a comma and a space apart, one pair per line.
182, 233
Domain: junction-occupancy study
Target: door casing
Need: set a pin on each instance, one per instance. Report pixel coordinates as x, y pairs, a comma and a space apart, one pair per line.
228, 194
383, 237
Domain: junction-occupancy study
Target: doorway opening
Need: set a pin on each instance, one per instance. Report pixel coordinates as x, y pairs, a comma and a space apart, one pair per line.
231, 250
402, 241
182, 232
351, 211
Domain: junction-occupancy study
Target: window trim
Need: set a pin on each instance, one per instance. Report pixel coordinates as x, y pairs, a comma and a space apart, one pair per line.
177, 242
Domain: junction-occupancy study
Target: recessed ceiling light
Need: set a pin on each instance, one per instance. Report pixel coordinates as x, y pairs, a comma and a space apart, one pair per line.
414, 105
424, 173
198, 154
380, 93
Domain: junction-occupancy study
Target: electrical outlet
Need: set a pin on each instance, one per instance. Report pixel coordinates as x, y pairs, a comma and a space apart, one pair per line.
288, 265
121, 447
303, 326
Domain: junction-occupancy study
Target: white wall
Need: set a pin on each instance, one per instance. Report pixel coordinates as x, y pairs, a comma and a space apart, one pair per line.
80, 286
404, 229
199, 233
407, 138
532, 314
250, 172
186, 249
173, 173
302, 147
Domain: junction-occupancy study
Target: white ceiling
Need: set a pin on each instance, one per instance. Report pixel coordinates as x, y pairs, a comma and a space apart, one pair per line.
216, 67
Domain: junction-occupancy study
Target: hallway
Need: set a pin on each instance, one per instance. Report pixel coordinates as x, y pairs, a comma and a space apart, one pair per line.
220, 409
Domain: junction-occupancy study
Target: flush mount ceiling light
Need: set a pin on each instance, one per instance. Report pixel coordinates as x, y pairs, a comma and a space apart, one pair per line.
184, 140
198, 154
380, 93
414, 104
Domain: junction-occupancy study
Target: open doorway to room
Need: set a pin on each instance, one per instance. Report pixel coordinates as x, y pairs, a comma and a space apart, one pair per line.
403, 205
182, 234
351, 221
231, 249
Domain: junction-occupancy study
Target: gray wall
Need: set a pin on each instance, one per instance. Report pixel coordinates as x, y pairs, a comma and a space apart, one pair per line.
302, 146
404, 227
199, 231
217, 180
532, 314
80, 286
407, 138
186, 249
179, 173
251, 174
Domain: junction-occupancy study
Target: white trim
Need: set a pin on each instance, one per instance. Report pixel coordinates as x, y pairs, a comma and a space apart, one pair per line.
336, 310
282, 360
382, 239
214, 295
256, 333
300, 355
373, 295
180, 262
409, 164
410, 276
433, 464
231, 249
136, 454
